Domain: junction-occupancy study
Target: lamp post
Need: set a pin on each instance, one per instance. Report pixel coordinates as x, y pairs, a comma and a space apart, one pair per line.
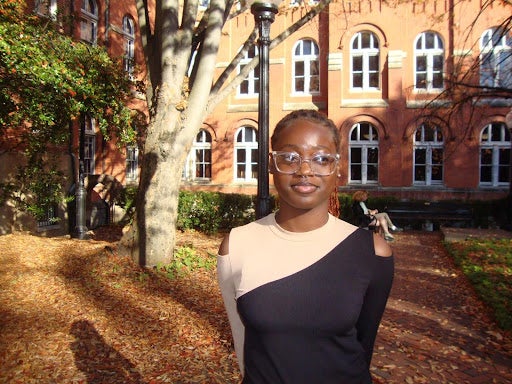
80, 230
264, 14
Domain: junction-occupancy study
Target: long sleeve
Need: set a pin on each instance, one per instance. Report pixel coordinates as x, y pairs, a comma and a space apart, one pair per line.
227, 288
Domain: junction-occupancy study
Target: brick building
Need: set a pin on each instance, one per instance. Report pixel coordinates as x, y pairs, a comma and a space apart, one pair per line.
373, 67
378, 69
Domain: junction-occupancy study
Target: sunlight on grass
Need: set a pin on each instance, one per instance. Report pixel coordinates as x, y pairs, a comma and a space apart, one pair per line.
488, 266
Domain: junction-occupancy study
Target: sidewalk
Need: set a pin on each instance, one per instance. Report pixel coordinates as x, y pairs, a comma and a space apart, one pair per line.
435, 330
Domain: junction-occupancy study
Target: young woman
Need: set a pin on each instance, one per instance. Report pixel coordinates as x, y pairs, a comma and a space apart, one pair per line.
380, 219
304, 291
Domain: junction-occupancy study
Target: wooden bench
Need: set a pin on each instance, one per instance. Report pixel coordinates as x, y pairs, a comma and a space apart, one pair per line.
430, 215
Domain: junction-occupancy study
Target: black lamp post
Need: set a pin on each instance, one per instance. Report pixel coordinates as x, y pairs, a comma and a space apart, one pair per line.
80, 230
264, 14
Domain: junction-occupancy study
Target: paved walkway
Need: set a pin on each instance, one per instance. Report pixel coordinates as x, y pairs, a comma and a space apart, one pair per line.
435, 330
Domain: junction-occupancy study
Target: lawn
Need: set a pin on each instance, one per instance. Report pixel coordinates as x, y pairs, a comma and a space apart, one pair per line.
488, 265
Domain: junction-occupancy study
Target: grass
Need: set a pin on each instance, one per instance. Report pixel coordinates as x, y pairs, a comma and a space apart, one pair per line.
488, 265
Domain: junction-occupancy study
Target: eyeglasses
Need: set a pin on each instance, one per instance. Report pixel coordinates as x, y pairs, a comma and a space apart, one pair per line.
289, 163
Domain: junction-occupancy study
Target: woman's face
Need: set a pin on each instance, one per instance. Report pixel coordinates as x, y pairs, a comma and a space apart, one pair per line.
304, 190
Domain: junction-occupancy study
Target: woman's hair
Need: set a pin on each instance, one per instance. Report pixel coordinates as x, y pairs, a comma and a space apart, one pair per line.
309, 115
359, 196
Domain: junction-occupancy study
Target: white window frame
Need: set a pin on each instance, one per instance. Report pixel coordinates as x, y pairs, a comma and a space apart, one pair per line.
252, 79
496, 58
89, 145
129, 45
308, 59
495, 137
431, 48
430, 147
89, 21
363, 137
132, 162
200, 156
47, 8
246, 141
366, 54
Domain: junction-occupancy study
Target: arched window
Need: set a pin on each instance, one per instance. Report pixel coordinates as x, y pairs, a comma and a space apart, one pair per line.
246, 155
496, 58
129, 45
89, 145
495, 155
428, 61
199, 160
89, 21
306, 68
250, 86
364, 154
364, 61
428, 155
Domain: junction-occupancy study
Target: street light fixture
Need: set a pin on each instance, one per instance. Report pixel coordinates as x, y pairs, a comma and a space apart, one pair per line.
264, 14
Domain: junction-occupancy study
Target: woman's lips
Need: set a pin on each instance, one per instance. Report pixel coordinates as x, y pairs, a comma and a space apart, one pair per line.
304, 187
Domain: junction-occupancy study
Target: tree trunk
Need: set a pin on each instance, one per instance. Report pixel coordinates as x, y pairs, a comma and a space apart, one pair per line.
151, 238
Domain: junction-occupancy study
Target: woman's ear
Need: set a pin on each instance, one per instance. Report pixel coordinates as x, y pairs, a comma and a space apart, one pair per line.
271, 166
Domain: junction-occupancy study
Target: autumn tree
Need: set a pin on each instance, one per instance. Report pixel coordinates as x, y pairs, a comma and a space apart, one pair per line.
47, 81
180, 47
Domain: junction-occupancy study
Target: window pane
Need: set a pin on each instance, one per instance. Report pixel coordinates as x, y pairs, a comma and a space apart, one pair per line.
374, 80
365, 40
437, 80
314, 84
372, 173
421, 63
486, 156
421, 80
420, 155
355, 172
357, 63
299, 85
240, 155
355, 155
504, 156
485, 174
373, 155
419, 173
357, 80
373, 63
306, 44
313, 68
437, 173
437, 156
299, 68
438, 63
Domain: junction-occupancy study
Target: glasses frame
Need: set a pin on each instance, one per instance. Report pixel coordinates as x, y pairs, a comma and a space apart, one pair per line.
302, 160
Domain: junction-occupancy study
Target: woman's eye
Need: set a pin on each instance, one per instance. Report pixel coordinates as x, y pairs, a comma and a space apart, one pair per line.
321, 159
291, 158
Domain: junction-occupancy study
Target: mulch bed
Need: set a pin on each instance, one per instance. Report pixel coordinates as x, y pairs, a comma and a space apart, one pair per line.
72, 311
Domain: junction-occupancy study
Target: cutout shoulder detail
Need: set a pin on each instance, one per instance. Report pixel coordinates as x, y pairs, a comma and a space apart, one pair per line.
382, 248
224, 246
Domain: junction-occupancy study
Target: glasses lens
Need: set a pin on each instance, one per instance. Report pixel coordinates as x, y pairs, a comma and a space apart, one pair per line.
286, 162
323, 164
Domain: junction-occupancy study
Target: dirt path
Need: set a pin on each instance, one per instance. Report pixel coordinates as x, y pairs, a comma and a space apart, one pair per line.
73, 312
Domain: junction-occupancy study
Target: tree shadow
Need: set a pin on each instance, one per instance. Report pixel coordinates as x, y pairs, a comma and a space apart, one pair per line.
100, 362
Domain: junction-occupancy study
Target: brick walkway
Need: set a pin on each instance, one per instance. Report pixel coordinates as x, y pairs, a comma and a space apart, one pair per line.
434, 329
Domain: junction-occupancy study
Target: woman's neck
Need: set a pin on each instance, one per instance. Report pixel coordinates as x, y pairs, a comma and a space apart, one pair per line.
302, 221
